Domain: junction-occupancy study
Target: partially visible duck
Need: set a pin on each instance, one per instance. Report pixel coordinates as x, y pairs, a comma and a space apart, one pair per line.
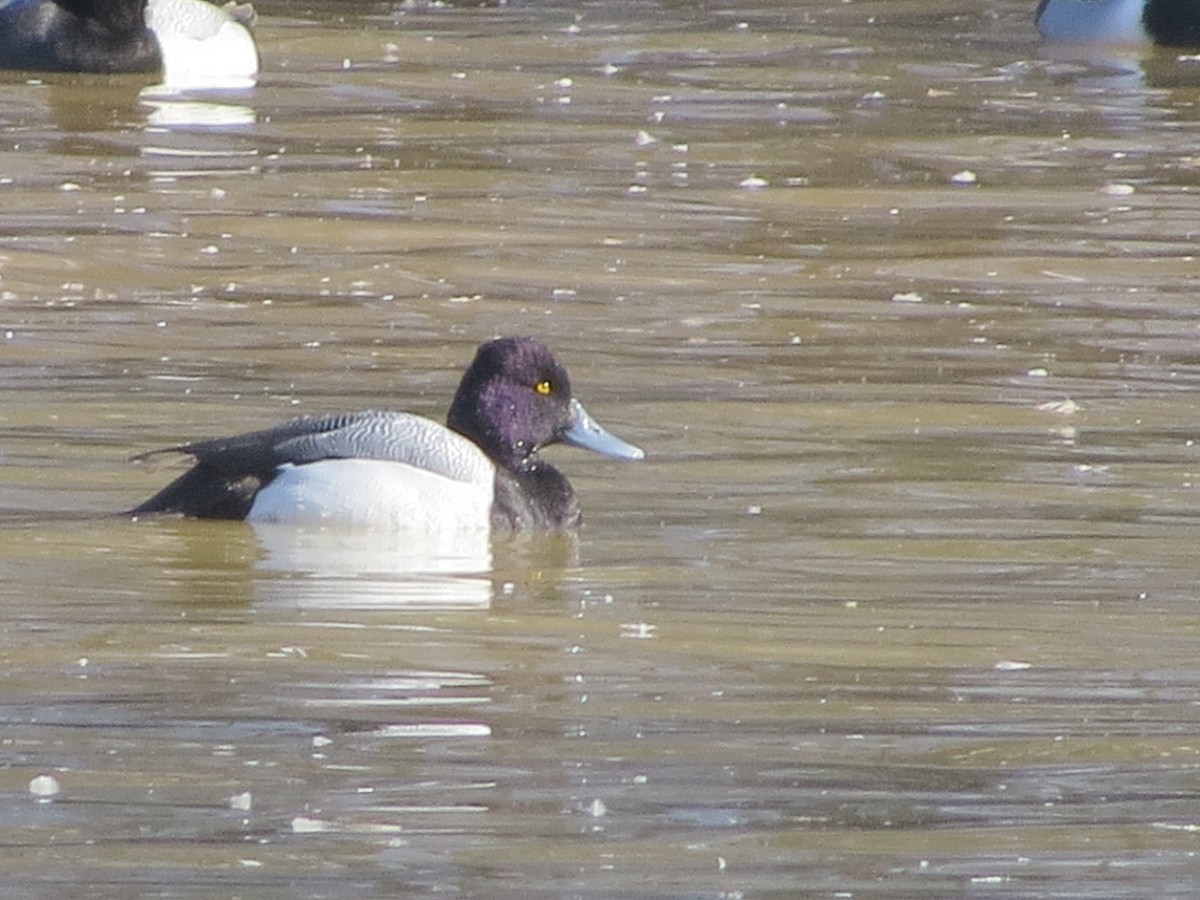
402, 471
1172, 23
191, 42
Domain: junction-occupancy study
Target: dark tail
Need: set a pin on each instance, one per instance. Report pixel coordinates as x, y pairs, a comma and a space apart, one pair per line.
203, 493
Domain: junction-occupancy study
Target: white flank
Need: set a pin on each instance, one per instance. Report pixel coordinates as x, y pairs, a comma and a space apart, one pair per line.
202, 45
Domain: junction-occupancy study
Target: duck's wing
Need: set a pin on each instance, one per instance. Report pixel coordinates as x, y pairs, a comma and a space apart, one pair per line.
230, 471
392, 436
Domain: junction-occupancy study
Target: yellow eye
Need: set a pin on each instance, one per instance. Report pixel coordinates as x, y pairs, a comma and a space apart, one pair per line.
544, 387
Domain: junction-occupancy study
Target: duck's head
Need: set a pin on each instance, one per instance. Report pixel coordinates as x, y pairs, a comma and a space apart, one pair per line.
515, 398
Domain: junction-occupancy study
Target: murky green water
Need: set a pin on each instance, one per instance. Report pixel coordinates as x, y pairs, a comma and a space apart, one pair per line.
901, 604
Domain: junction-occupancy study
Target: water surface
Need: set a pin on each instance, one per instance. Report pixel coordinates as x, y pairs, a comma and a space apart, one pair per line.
900, 304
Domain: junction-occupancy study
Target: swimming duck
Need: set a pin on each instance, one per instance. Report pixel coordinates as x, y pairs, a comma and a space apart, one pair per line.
1172, 23
191, 42
397, 470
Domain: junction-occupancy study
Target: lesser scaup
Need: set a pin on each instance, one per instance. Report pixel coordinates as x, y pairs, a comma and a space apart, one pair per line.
193, 43
398, 470
1172, 23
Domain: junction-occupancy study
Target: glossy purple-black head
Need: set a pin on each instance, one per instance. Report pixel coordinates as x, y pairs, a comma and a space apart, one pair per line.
515, 398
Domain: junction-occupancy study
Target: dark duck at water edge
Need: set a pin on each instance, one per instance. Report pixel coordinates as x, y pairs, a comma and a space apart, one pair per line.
1171, 23
397, 470
192, 43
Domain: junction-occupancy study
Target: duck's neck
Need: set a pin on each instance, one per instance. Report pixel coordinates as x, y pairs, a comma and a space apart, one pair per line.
469, 417
534, 497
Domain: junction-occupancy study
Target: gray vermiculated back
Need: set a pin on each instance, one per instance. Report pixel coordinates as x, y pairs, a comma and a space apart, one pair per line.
372, 434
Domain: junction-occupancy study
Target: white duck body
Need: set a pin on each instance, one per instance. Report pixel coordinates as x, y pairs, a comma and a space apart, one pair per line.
202, 44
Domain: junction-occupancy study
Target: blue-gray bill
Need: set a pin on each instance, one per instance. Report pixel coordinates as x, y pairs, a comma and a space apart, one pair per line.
585, 432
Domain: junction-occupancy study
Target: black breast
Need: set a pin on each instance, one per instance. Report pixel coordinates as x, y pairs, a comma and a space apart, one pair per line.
537, 497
